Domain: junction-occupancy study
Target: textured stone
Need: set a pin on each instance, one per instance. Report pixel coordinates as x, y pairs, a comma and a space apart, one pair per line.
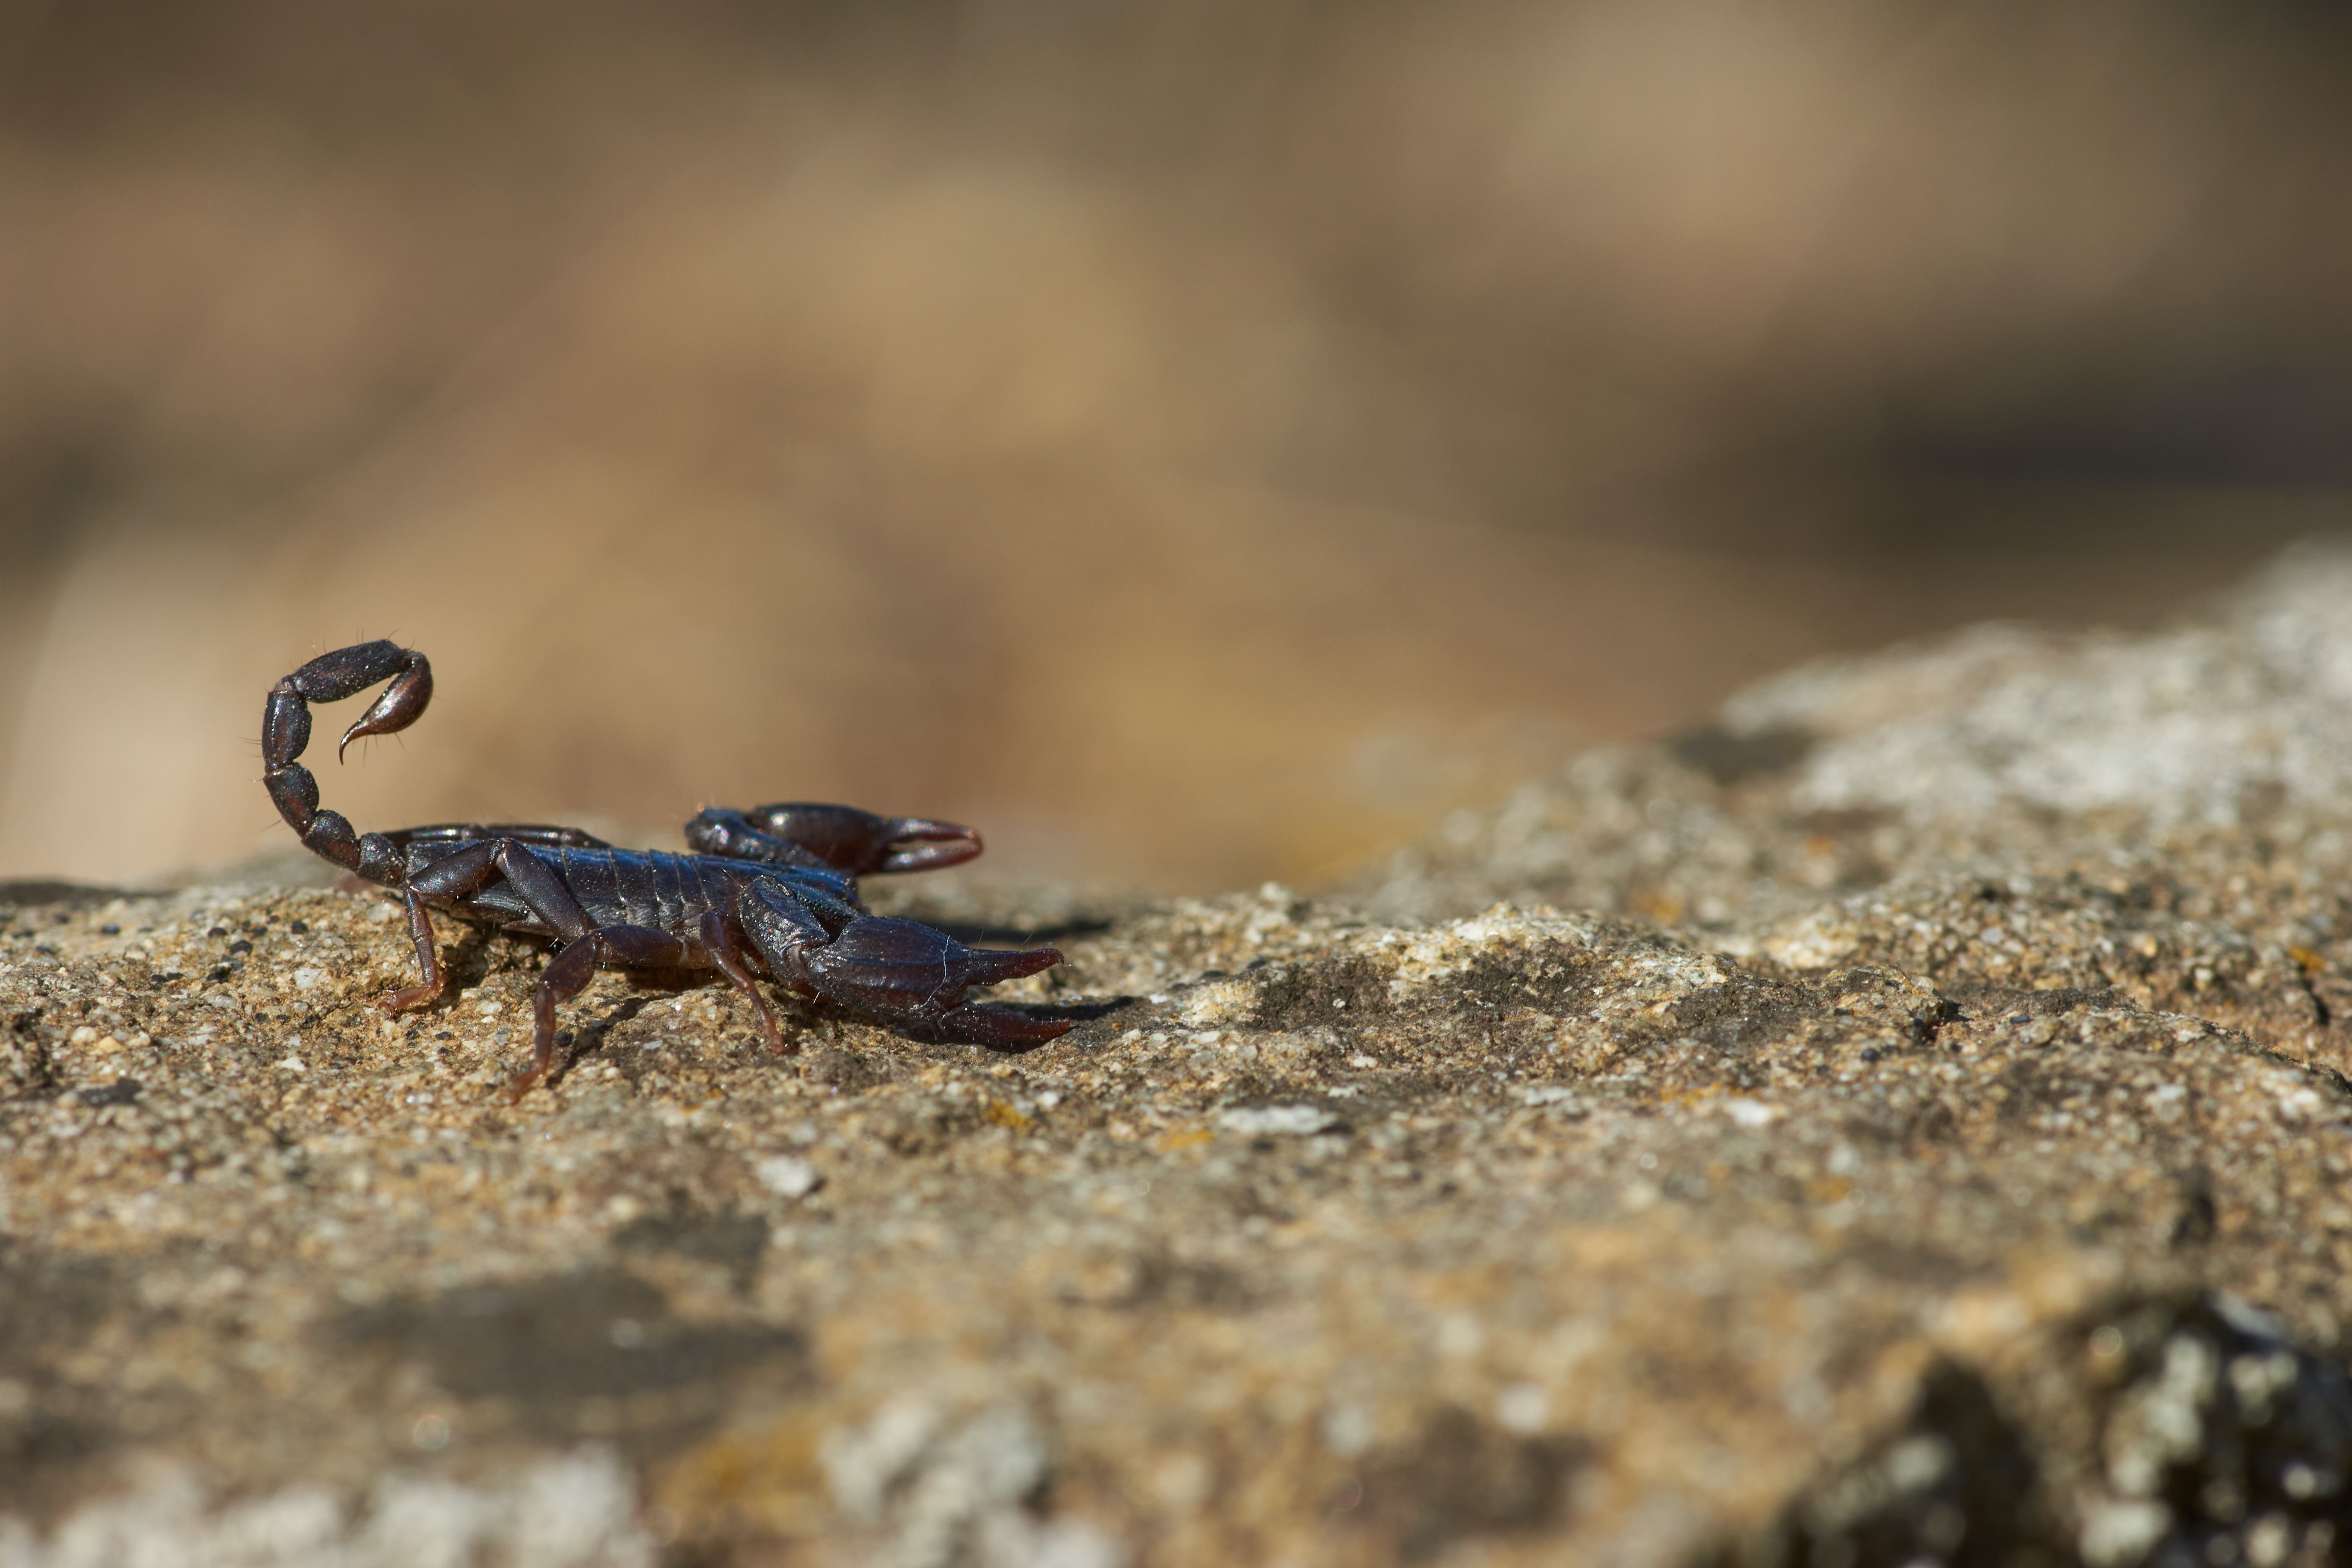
1904, 1121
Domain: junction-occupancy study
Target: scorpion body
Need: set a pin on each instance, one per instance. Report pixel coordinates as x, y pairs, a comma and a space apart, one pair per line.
772, 890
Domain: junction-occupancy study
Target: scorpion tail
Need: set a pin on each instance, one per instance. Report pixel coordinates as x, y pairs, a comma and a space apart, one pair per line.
286, 731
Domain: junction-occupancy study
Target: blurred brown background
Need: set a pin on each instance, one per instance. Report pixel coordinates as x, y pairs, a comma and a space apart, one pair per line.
1196, 442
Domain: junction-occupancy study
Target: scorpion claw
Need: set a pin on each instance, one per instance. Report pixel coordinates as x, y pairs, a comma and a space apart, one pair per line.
859, 842
915, 845
916, 977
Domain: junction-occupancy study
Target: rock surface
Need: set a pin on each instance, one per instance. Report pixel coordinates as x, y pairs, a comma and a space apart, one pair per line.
1903, 1122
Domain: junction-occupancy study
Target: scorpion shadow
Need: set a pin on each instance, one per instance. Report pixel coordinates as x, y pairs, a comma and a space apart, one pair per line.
588, 1040
1074, 1012
473, 956
1000, 933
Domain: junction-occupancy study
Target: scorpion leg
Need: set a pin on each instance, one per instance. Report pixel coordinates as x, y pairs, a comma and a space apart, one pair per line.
841, 837
428, 959
468, 834
623, 947
586, 947
452, 876
722, 933
784, 931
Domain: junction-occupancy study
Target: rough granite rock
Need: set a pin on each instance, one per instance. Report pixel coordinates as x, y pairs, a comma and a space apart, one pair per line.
1904, 1122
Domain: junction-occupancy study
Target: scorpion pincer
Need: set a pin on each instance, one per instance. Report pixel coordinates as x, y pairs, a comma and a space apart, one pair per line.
772, 890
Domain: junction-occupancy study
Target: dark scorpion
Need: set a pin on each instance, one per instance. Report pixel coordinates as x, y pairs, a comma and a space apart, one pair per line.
775, 886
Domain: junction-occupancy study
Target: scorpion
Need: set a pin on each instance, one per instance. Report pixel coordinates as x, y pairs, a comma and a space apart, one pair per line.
774, 888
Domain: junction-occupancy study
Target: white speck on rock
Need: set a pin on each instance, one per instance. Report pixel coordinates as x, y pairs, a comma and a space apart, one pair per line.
426, 1522
788, 1175
1349, 1430
1011, 1539
1522, 1409
570, 1510
861, 1465
1260, 1120
1816, 942
579, 1508
1460, 1336
2116, 1533
954, 1494
1218, 1002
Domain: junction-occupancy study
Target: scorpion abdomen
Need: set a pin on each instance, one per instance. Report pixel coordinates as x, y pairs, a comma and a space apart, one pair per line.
653, 888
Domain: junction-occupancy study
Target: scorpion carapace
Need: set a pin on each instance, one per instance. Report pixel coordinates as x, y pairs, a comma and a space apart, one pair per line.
774, 888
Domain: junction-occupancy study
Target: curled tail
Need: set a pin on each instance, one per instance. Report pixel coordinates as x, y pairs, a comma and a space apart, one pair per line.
286, 730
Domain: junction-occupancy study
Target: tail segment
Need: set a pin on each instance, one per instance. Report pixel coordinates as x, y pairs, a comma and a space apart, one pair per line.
286, 731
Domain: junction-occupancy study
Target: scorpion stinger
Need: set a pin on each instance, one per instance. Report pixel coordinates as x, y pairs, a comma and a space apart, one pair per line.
775, 886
